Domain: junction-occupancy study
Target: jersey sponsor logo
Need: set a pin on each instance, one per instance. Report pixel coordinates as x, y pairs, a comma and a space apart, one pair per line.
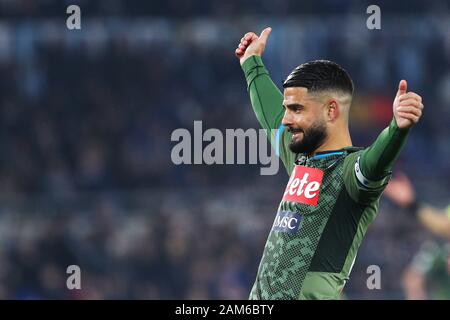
287, 222
304, 185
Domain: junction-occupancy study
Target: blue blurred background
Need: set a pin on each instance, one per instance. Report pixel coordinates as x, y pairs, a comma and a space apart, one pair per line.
86, 117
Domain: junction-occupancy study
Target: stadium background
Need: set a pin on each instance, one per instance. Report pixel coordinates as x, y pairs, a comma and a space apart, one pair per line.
86, 117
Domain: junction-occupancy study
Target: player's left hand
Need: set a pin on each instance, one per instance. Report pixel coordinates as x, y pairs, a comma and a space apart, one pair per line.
407, 107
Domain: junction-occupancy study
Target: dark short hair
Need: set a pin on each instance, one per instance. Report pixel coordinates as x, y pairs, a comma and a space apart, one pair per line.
320, 75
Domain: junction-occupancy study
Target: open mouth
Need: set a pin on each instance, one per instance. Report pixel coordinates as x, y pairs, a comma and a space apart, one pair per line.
296, 133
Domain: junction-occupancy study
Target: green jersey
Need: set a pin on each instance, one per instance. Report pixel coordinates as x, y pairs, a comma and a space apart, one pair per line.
329, 202
433, 262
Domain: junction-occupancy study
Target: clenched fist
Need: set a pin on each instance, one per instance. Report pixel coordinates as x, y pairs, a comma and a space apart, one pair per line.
407, 107
252, 45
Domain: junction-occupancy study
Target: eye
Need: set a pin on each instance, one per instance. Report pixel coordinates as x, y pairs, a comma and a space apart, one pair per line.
295, 108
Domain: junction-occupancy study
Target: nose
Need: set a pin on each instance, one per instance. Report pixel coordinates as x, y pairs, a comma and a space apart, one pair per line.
287, 119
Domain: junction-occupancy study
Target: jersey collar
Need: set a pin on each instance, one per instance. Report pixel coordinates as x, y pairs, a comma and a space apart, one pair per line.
301, 157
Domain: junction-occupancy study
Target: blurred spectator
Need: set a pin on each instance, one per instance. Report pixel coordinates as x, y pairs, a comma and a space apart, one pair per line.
428, 275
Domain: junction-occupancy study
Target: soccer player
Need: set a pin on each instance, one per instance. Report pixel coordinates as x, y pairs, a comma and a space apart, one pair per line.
334, 188
401, 192
428, 275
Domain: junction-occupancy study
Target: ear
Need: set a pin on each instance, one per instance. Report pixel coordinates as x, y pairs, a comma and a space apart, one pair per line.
332, 110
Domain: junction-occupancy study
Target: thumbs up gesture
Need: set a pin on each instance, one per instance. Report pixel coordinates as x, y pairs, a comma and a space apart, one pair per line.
252, 45
407, 106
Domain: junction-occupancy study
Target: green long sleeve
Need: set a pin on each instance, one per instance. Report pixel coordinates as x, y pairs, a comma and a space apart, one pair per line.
267, 103
377, 160
266, 98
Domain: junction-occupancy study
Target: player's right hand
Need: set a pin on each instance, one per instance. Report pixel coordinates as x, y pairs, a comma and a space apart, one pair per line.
252, 45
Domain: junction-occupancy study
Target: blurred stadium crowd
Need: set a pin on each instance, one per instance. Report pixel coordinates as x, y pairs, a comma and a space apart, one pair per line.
215, 8
85, 171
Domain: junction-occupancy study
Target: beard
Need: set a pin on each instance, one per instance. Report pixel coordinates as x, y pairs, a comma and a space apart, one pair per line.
313, 138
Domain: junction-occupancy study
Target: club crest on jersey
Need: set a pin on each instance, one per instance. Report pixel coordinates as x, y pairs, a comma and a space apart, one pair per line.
287, 222
304, 185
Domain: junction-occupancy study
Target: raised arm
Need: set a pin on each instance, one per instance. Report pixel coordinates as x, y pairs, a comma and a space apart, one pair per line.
266, 98
373, 166
377, 160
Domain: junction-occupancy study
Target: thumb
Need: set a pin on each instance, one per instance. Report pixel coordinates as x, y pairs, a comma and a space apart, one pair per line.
265, 35
402, 86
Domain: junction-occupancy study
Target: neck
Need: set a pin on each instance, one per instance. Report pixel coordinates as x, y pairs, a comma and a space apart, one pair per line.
335, 141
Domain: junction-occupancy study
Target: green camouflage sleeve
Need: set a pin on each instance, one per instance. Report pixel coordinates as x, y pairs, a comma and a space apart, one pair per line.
267, 103
367, 172
357, 191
